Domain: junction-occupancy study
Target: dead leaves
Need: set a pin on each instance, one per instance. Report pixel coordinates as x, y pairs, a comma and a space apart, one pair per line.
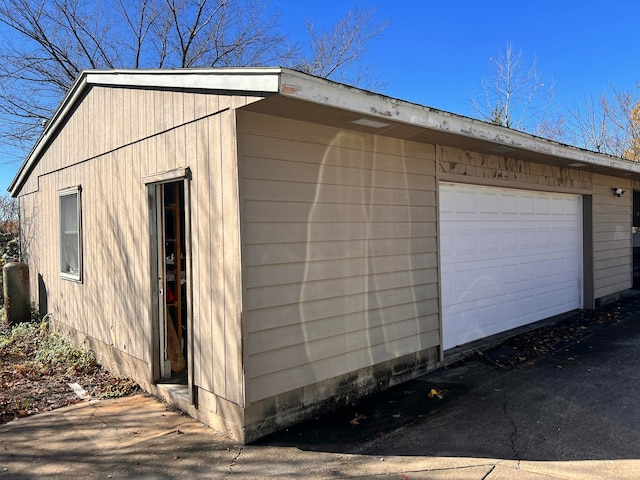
357, 418
527, 347
28, 387
435, 393
399, 409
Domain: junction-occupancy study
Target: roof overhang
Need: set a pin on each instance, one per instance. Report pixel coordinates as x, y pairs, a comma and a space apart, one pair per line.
297, 95
255, 81
397, 118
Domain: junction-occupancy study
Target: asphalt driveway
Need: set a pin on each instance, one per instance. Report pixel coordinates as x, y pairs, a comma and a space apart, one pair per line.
571, 413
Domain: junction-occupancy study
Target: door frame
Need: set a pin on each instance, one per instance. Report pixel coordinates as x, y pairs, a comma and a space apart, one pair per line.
151, 182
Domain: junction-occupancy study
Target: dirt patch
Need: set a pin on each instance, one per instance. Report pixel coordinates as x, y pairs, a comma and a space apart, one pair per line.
29, 385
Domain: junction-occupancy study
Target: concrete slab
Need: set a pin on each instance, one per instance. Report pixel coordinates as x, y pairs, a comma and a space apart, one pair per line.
106, 439
137, 437
587, 469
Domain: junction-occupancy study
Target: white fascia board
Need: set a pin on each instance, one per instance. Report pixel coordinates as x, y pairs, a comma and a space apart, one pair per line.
258, 80
317, 90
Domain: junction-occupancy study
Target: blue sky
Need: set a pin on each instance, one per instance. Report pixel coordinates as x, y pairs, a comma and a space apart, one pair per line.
436, 52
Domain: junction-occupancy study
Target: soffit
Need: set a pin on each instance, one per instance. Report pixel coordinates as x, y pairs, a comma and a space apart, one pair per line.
548, 153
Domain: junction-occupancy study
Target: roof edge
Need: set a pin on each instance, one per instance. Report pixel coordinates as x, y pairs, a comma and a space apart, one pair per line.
309, 88
65, 106
239, 79
506, 140
258, 80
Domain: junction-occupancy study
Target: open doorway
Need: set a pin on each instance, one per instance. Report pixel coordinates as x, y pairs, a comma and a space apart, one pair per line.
172, 278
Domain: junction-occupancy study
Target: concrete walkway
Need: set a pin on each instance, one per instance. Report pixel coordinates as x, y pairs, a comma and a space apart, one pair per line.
574, 414
137, 437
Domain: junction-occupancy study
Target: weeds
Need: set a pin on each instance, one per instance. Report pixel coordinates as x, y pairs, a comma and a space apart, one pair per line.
37, 365
37, 344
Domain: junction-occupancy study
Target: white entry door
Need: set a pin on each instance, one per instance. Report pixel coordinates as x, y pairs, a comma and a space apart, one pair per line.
508, 258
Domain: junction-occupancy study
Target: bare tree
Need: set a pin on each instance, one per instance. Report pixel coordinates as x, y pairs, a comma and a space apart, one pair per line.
607, 123
47, 43
333, 53
8, 215
516, 96
591, 126
190, 33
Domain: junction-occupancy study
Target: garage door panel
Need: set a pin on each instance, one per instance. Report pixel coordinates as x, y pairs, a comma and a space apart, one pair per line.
509, 205
559, 237
488, 241
508, 240
543, 206
527, 239
526, 273
508, 258
547, 272
561, 268
543, 238
465, 203
465, 243
509, 274
483, 321
526, 204
446, 245
487, 202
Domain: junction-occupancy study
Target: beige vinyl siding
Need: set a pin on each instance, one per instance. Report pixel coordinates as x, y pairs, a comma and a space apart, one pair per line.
339, 251
113, 139
612, 243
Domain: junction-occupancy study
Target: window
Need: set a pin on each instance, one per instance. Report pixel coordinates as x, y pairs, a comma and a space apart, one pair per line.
70, 234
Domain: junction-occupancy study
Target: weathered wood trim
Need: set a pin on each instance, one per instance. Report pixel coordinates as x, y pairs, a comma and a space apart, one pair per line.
168, 176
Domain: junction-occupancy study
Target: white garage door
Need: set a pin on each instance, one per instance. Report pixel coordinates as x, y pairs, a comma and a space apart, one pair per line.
508, 257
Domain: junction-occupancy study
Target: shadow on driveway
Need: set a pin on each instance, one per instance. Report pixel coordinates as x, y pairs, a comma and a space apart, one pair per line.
579, 400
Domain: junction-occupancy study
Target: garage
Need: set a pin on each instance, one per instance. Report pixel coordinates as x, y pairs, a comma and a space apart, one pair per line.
508, 258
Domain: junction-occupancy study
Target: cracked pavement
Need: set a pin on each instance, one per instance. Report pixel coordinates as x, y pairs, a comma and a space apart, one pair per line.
573, 413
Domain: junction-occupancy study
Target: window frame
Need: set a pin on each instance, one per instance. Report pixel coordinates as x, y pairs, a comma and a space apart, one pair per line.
62, 194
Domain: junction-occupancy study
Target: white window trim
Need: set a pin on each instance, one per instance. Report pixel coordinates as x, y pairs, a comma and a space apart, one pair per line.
62, 193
